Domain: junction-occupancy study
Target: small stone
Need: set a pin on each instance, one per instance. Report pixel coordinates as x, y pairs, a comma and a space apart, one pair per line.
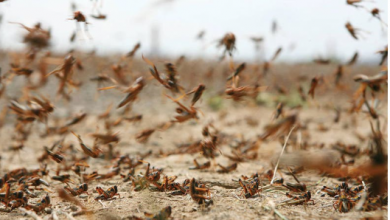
48, 210
83, 196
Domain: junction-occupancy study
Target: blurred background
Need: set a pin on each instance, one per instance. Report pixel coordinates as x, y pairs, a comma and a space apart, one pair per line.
306, 29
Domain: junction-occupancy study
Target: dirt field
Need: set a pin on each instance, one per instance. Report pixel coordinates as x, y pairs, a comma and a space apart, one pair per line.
235, 121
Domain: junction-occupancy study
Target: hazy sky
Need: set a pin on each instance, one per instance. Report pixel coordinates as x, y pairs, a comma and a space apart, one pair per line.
308, 28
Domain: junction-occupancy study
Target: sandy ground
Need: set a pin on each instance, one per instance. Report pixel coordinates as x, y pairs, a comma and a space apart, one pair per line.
227, 204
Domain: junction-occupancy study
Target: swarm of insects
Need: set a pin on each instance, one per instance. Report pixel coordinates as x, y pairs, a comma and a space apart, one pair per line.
177, 134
